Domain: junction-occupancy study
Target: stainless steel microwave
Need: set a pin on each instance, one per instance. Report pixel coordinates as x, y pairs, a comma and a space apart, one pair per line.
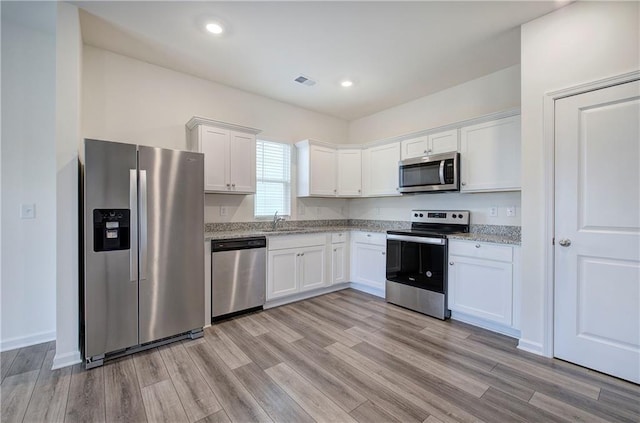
438, 173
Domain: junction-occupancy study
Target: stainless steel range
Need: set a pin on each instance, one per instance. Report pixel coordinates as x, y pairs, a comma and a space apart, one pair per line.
417, 261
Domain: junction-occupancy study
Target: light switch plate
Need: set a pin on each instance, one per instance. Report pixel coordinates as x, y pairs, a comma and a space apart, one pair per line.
493, 211
223, 210
511, 211
27, 211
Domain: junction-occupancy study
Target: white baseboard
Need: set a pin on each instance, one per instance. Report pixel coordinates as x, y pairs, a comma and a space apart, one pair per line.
530, 346
26, 341
66, 359
368, 289
494, 327
304, 295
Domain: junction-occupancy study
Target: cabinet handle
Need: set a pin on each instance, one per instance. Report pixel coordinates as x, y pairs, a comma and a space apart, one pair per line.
369, 235
335, 249
463, 183
450, 263
429, 151
234, 186
302, 254
425, 151
477, 245
359, 191
383, 253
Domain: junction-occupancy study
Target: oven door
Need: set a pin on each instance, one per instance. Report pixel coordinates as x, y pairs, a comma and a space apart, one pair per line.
417, 261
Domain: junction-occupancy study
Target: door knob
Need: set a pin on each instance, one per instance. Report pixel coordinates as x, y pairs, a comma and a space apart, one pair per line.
564, 242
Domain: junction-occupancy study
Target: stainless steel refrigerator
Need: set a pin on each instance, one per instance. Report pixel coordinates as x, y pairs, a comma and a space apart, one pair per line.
143, 248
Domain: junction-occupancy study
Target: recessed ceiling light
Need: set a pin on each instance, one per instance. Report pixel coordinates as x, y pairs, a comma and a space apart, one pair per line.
346, 83
215, 28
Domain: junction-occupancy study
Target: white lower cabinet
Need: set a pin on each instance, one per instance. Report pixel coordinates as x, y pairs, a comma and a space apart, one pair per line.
282, 273
368, 259
311, 268
339, 258
482, 283
295, 264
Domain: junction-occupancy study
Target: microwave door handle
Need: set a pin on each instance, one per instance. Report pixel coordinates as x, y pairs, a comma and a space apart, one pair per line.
441, 172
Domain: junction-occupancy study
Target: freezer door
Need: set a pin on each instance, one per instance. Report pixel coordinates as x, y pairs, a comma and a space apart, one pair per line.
171, 242
110, 266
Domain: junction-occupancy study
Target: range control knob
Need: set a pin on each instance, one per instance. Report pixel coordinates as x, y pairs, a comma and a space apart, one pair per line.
453, 216
460, 216
415, 215
421, 215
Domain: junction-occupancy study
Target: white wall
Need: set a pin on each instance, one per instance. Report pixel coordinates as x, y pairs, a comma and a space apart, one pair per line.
132, 101
68, 63
491, 93
583, 42
397, 208
28, 173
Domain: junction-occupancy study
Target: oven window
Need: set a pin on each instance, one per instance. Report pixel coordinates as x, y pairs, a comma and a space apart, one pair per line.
419, 265
420, 174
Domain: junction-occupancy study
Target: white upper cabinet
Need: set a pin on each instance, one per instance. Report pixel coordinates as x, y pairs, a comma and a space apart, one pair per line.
229, 155
349, 173
325, 171
380, 170
490, 156
431, 144
322, 170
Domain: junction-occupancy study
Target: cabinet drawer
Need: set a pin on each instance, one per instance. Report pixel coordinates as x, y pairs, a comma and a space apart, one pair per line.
374, 238
481, 250
281, 242
339, 237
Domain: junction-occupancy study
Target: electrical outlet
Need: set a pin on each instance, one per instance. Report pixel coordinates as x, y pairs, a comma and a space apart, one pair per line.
493, 211
27, 211
511, 211
223, 210
301, 209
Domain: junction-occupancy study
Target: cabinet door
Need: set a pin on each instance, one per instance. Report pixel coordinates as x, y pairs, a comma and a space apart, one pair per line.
349, 173
323, 171
382, 169
490, 156
443, 142
214, 143
242, 162
369, 264
312, 263
282, 273
415, 147
339, 263
481, 288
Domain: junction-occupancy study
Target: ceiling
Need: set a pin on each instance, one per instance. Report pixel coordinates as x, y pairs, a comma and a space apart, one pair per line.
394, 52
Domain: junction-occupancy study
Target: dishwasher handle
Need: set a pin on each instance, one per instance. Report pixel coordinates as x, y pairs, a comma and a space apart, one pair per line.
218, 245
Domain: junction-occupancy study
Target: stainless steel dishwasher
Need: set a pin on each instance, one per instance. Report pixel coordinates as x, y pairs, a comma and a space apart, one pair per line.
238, 275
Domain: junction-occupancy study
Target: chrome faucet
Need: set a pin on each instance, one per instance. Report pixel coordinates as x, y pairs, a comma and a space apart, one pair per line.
276, 219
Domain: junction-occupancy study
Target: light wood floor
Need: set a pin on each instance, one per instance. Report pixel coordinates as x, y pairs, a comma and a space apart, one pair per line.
341, 357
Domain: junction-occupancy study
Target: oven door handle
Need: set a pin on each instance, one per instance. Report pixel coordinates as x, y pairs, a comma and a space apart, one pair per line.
417, 239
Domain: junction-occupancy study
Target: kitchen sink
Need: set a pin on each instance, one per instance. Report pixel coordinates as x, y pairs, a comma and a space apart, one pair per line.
284, 230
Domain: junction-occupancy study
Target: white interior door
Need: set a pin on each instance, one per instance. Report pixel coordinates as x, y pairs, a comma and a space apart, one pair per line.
597, 230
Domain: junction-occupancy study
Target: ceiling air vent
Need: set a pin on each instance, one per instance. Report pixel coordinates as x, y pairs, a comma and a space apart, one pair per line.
305, 81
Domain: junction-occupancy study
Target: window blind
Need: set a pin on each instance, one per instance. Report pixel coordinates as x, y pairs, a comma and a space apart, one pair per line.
273, 178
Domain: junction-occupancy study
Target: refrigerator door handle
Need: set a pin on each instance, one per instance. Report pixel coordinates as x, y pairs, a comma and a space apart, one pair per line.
133, 206
143, 225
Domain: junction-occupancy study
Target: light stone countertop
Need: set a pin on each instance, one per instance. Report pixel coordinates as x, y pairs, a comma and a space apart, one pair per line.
480, 233
288, 231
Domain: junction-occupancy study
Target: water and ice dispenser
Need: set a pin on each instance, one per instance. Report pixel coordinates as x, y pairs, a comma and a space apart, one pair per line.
111, 229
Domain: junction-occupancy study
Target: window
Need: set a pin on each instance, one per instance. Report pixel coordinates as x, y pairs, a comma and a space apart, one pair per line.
273, 178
